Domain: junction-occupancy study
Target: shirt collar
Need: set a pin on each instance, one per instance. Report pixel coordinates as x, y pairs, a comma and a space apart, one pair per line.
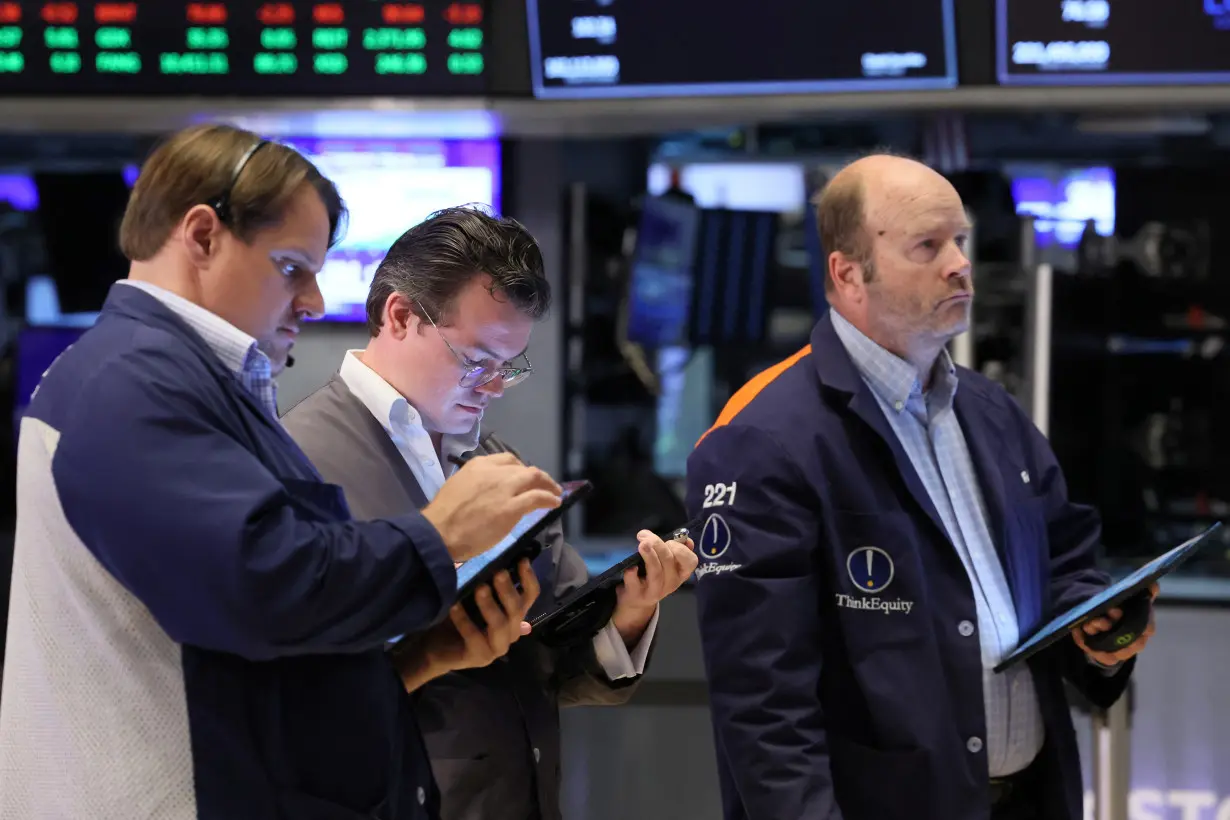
236, 349
891, 378
392, 409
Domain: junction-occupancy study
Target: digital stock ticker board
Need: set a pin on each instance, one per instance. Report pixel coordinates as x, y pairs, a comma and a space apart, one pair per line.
242, 48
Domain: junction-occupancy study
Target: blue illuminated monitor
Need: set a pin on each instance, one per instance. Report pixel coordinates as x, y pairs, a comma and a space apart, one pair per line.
1063, 200
660, 284
614, 48
389, 186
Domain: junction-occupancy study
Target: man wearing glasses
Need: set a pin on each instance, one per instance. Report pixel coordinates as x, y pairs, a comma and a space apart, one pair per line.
450, 313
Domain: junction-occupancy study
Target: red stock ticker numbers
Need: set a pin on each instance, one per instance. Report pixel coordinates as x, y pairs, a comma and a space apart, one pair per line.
242, 47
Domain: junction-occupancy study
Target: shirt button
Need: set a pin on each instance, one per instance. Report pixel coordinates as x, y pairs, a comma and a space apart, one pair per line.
965, 628
422, 795
974, 744
899, 406
430, 463
537, 754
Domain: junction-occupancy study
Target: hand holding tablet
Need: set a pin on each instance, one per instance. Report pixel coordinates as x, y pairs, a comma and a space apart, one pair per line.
1121, 633
459, 643
520, 542
1118, 596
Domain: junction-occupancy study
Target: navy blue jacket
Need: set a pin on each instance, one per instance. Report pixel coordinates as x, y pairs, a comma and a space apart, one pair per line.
824, 712
225, 588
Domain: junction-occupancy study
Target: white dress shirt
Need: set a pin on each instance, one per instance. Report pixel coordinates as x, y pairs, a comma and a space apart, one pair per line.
405, 427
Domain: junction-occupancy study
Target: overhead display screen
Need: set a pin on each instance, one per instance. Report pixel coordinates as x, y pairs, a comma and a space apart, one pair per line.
647, 48
389, 186
242, 48
1113, 42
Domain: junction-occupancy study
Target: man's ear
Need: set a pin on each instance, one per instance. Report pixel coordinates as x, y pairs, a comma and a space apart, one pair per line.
200, 231
400, 317
845, 273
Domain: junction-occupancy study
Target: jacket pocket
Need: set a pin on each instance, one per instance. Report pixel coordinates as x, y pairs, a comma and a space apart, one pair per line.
876, 784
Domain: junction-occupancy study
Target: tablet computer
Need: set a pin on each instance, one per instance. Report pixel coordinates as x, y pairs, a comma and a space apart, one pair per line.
1106, 600
522, 542
584, 601
579, 606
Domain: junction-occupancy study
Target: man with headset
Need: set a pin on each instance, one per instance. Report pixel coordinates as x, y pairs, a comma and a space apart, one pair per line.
197, 626
881, 528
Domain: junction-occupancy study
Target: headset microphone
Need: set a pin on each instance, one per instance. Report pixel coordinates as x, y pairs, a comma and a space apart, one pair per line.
290, 361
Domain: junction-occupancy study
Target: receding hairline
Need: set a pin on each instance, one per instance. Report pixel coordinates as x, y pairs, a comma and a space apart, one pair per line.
870, 183
845, 192
845, 183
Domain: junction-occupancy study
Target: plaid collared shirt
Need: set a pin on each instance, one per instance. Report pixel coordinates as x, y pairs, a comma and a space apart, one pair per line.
236, 349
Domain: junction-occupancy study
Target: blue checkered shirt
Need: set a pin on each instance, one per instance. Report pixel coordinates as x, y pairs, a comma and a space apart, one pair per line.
236, 349
929, 432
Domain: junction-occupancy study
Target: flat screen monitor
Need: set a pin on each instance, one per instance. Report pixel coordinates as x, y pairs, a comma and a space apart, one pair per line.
685, 406
46, 304
740, 186
242, 48
1125, 42
653, 48
1063, 200
736, 256
660, 284
389, 186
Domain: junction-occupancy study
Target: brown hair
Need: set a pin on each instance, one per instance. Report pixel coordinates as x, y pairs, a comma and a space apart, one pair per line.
431, 263
197, 165
841, 221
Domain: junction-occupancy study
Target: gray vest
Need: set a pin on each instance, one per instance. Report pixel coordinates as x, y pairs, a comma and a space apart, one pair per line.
493, 733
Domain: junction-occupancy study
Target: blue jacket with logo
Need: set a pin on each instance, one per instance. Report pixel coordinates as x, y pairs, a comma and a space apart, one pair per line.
827, 711
197, 625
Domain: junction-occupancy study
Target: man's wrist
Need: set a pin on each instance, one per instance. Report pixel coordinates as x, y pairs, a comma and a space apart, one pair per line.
631, 622
1109, 670
420, 667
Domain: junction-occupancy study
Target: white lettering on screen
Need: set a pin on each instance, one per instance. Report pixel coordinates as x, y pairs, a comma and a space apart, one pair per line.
603, 67
892, 64
1087, 54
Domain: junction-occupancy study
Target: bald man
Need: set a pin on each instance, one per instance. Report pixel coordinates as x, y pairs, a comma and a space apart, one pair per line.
877, 539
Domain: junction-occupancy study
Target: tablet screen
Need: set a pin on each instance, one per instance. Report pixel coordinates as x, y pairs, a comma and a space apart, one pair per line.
1157, 567
467, 571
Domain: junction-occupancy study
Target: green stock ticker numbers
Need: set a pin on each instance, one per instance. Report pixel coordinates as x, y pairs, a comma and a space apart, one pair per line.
242, 47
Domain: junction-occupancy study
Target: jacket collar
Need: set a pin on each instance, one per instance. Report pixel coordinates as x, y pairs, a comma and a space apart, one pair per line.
838, 372
126, 303
983, 416
134, 304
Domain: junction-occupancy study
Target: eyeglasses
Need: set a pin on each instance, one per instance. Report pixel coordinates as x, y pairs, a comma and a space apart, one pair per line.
486, 371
